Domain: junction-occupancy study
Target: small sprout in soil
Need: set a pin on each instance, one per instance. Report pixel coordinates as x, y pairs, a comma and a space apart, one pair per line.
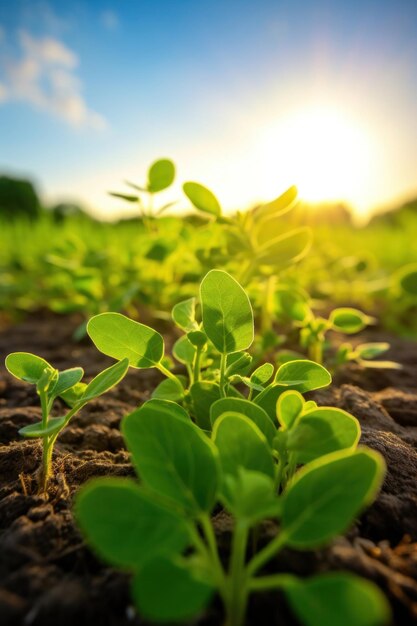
295, 305
160, 528
51, 384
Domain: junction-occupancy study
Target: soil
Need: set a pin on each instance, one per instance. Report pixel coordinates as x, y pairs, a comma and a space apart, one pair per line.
48, 576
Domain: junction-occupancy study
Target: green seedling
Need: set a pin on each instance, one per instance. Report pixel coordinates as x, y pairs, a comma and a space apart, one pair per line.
160, 528
213, 351
161, 175
294, 305
259, 240
51, 384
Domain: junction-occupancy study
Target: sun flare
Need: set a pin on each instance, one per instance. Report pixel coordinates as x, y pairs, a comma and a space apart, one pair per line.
325, 153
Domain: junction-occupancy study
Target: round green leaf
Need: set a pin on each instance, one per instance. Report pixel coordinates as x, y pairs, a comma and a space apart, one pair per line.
338, 598
349, 320
288, 248
242, 444
166, 591
172, 456
26, 366
227, 312
322, 431
289, 406
183, 314
118, 336
202, 198
303, 375
125, 525
327, 494
161, 175
244, 407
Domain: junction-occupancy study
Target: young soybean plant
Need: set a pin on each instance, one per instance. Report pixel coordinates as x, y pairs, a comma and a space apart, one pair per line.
213, 351
160, 528
51, 384
295, 305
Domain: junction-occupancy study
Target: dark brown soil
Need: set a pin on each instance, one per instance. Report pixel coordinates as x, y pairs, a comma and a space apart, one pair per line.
48, 576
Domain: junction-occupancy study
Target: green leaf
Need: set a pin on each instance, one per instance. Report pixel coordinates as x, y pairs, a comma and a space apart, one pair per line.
203, 395
286, 249
250, 496
104, 381
173, 457
36, 430
326, 495
125, 525
26, 366
202, 198
262, 374
197, 338
372, 350
124, 196
170, 389
276, 207
72, 396
407, 278
227, 312
244, 407
118, 336
66, 380
166, 591
289, 406
242, 444
183, 314
348, 320
238, 363
338, 598
322, 431
303, 375
183, 350
168, 405
161, 175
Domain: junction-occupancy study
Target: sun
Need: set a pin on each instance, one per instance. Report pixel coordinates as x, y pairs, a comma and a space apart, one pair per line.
326, 153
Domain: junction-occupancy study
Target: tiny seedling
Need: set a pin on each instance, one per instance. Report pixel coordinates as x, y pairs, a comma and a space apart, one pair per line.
51, 384
161, 531
294, 305
161, 175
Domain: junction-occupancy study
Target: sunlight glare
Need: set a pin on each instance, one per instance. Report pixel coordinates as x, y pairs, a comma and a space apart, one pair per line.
325, 153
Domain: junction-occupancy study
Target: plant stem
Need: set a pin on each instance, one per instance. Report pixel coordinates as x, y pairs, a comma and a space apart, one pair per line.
46, 450
271, 582
237, 580
197, 365
223, 358
316, 352
266, 554
169, 374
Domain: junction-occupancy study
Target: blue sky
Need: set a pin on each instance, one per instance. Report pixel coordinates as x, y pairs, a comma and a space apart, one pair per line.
92, 92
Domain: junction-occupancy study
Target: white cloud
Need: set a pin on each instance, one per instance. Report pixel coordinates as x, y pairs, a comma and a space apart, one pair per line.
43, 75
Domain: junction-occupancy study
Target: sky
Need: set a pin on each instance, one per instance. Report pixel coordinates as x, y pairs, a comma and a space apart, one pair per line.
247, 97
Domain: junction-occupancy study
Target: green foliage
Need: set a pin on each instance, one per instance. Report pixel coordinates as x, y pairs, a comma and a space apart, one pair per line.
183, 474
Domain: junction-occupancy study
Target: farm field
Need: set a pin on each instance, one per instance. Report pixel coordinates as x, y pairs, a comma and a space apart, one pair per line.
221, 408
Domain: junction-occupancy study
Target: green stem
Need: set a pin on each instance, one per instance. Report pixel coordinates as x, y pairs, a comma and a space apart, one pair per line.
214, 557
223, 358
238, 590
271, 582
197, 365
168, 374
270, 550
316, 352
